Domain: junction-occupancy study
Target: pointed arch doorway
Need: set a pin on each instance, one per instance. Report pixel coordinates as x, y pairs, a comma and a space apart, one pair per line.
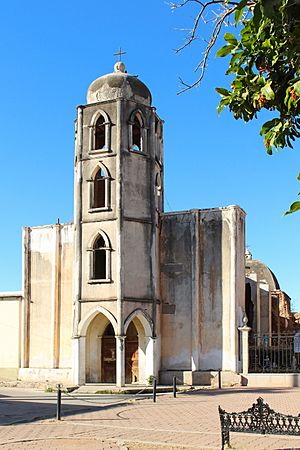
100, 351
108, 355
132, 355
139, 350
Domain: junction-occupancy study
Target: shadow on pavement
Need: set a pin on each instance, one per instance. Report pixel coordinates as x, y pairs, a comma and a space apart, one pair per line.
224, 391
14, 412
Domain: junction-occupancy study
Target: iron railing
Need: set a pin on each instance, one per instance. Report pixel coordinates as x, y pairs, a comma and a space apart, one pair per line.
279, 353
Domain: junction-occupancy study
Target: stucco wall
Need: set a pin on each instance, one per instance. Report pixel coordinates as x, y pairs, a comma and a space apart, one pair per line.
176, 291
136, 189
10, 315
202, 288
98, 291
41, 262
137, 260
213, 232
67, 246
50, 280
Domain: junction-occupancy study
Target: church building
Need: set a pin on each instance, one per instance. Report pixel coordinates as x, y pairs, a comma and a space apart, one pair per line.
126, 291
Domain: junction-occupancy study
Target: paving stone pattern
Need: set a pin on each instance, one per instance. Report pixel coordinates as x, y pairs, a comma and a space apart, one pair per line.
188, 422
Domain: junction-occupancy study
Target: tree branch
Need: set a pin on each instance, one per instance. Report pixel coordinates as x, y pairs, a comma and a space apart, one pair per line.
219, 18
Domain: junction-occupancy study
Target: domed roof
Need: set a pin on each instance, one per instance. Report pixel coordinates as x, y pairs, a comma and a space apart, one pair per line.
118, 84
264, 273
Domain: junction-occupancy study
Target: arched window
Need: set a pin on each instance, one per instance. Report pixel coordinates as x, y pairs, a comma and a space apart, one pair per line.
137, 132
100, 260
158, 184
100, 132
136, 135
100, 189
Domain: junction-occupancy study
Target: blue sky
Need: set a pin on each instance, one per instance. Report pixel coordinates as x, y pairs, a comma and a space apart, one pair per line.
52, 51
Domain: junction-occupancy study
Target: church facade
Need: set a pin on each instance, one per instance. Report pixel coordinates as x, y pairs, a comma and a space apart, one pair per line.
127, 291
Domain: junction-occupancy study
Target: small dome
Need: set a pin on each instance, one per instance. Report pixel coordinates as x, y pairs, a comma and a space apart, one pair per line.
263, 272
118, 84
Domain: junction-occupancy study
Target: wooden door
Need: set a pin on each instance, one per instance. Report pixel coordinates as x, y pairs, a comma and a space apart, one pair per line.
108, 372
131, 359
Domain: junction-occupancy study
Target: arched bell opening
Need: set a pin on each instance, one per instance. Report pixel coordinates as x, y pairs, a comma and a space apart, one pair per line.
100, 351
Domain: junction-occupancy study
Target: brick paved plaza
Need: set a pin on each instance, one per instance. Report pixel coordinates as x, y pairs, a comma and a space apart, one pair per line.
188, 422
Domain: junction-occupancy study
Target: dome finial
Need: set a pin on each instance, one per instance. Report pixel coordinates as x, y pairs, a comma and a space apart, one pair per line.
119, 66
248, 254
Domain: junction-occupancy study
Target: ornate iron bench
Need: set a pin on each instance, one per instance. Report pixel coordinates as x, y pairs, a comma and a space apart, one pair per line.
260, 418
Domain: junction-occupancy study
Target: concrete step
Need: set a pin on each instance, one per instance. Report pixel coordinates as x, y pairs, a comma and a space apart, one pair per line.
103, 388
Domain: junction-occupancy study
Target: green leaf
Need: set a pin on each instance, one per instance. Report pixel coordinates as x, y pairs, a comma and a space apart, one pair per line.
293, 208
268, 92
290, 103
239, 11
235, 56
224, 51
267, 43
257, 15
298, 177
229, 37
297, 88
238, 15
268, 125
223, 92
220, 108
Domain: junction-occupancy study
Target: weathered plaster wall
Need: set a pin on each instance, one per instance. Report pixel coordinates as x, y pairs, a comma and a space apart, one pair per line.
50, 279
233, 281
41, 250
136, 188
10, 323
202, 285
213, 232
137, 260
176, 290
66, 286
98, 291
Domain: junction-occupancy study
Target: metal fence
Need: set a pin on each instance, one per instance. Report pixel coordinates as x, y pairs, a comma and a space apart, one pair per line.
274, 353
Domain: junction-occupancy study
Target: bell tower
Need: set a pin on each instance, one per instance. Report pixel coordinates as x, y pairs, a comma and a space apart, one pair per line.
118, 200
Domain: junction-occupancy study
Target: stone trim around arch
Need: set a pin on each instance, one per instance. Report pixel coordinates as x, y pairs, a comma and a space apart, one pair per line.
137, 114
144, 318
107, 188
92, 131
95, 237
102, 166
84, 323
90, 255
140, 116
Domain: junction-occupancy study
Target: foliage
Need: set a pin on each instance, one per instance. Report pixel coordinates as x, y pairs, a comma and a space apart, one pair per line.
264, 64
150, 380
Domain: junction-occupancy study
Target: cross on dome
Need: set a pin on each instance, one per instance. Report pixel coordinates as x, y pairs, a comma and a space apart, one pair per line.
119, 53
119, 66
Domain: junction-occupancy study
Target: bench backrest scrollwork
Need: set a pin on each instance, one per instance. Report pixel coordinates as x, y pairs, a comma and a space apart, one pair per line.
260, 418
